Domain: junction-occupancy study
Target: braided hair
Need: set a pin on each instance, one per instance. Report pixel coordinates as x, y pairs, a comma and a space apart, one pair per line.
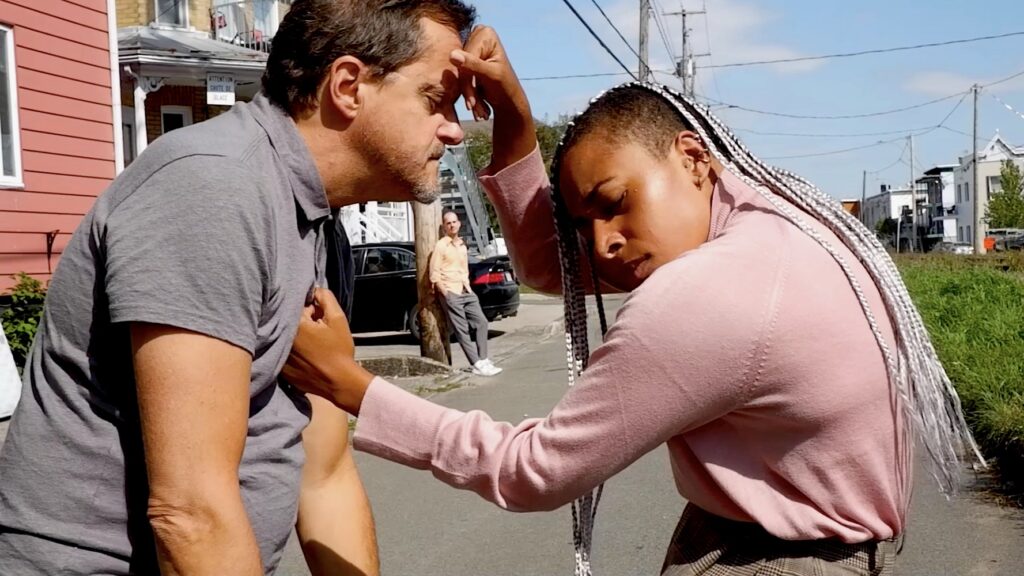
921, 395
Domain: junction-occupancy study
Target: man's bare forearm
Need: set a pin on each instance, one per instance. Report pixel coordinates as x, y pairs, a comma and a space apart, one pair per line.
336, 528
194, 435
335, 524
204, 538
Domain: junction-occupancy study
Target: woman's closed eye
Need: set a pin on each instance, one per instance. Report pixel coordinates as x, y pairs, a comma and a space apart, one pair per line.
608, 208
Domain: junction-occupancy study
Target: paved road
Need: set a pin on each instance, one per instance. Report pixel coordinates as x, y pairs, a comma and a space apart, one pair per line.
426, 528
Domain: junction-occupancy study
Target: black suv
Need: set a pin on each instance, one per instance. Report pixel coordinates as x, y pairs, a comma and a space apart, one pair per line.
385, 296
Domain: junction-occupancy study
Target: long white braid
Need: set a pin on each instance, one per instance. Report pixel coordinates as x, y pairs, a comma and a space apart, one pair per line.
922, 397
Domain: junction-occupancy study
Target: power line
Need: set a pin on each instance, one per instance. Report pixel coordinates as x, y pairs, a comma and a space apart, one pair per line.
834, 152
707, 38
1007, 79
661, 29
841, 117
863, 52
1007, 106
898, 160
812, 135
658, 11
598, 38
961, 101
615, 28
571, 76
921, 132
593, 75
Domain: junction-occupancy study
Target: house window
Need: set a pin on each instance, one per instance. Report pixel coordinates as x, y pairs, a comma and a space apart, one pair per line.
959, 198
995, 184
967, 192
960, 234
174, 117
172, 13
969, 237
128, 133
10, 146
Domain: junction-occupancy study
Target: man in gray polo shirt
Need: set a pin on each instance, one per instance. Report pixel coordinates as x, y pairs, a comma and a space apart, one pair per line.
153, 435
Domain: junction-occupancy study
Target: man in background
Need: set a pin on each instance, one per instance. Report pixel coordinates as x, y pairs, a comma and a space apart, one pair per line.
449, 274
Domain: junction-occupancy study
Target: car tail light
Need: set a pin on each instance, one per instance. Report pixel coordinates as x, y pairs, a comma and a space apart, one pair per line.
490, 278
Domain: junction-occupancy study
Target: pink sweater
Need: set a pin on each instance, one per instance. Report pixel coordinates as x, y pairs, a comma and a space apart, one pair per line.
749, 356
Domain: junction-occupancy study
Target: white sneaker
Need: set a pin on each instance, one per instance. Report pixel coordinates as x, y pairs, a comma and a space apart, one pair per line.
492, 366
484, 368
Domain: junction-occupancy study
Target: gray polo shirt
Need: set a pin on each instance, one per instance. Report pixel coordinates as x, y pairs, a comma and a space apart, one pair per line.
216, 228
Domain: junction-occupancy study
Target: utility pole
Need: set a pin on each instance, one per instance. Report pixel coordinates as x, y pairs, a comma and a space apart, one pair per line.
432, 320
645, 21
979, 203
913, 198
686, 67
863, 199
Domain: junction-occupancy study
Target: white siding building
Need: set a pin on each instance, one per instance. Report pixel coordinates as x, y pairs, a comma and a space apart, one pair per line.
990, 160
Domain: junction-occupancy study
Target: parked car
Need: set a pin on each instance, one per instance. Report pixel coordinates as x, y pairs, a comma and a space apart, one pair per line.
1015, 243
386, 299
1003, 237
954, 248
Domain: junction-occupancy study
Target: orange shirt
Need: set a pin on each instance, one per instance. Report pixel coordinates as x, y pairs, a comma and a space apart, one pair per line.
449, 266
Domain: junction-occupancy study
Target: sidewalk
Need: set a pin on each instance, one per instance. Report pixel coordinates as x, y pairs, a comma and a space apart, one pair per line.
539, 316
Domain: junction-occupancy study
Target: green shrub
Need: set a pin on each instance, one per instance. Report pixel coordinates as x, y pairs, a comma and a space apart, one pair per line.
22, 318
974, 310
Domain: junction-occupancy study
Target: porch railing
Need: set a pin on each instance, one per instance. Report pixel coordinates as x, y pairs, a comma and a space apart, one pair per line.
248, 23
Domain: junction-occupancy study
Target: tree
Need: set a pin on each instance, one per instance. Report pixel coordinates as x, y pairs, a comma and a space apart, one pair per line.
1006, 207
479, 146
548, 137
886, 227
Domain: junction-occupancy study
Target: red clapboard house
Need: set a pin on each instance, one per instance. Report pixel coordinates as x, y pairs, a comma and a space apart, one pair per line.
59, 107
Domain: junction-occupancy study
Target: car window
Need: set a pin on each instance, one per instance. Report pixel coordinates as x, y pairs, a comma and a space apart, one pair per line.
384, 260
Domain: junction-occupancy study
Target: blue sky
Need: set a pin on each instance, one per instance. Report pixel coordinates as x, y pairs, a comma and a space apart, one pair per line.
543, 38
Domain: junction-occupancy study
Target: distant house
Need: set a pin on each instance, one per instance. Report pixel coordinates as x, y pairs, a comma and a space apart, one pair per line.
895, 204
940, 209
59, 125
184, 61
852, 206
990, 160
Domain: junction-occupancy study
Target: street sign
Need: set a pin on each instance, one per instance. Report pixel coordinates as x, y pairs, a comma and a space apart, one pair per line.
220, 90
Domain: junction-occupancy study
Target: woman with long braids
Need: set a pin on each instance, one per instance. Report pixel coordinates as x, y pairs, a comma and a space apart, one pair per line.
767, 340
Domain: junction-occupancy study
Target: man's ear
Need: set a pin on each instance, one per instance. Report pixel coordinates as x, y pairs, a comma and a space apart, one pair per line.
342, 85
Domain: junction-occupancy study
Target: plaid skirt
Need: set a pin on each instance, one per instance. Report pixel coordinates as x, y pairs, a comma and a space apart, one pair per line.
708, 545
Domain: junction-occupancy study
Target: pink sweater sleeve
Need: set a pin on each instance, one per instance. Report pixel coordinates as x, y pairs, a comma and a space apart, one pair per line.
651, 380
521, 194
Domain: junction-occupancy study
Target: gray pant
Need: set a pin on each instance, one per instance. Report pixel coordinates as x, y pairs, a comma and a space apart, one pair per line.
464, 313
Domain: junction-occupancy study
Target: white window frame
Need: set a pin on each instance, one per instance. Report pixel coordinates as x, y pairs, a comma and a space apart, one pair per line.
994, 184
185, 111
183, 6
15, 180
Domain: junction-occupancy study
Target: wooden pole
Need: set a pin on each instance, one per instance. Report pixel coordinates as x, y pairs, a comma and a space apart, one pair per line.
433, 321
979, 200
